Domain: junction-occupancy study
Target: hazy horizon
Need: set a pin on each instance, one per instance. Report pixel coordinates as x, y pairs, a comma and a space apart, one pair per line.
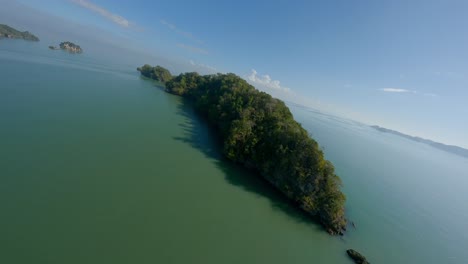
102, 163
418, 98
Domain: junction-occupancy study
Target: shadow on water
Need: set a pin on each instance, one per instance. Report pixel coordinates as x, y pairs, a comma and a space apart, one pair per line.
199, 136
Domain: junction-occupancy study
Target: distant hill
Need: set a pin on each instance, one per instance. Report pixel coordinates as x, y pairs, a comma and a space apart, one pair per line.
9, 32
452, 149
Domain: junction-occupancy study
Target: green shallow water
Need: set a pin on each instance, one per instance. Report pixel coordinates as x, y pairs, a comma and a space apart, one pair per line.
99, 166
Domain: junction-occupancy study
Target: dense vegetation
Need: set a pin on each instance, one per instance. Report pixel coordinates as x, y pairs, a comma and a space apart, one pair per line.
70, 47
9, 32
157, 73
357, 257
260, 133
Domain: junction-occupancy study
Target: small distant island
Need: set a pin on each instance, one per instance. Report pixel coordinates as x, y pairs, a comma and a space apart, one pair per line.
448, 148
68, 46
259, 132
9, 32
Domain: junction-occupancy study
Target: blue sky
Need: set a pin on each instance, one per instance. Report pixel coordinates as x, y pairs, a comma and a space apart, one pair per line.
398, 64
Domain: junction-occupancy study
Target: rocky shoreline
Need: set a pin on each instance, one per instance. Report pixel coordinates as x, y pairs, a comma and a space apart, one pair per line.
68, 46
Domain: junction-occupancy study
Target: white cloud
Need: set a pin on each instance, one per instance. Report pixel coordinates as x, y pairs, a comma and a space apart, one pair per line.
399, 90
395, 90
181, 32
266, 81
119, 20
192, 49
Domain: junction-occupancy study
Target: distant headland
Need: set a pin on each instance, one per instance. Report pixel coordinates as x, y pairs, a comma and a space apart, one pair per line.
9, 32
68, 46
452, 149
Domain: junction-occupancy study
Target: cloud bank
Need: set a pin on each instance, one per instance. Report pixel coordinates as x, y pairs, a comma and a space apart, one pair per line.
266, 81
119, 20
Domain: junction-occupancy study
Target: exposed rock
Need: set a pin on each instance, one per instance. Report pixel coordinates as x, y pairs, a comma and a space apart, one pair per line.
357, 257
71, 47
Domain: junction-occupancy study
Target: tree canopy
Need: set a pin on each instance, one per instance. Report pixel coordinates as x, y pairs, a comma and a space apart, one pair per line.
71, 47
157, 73
260, 133
9, 32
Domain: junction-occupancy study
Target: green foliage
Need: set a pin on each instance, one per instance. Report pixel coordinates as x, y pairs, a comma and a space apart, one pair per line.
9, 32
70, 47
260, 133
157, 73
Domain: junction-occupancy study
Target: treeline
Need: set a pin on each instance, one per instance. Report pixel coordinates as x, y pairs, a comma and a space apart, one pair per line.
9, 32
156, 73
260, 133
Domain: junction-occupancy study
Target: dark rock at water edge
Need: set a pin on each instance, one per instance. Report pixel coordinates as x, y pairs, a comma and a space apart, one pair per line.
357, 257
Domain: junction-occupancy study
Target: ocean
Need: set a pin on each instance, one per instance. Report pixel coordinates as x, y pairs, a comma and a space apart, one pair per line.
98, 165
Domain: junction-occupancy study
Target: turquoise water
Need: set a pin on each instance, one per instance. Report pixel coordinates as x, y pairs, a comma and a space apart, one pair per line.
100, 166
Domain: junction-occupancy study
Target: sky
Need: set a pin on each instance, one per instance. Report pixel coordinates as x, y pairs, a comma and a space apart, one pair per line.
398, 64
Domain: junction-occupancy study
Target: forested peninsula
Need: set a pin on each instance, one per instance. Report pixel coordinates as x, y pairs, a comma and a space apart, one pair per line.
9, 32
448, 148
260, 133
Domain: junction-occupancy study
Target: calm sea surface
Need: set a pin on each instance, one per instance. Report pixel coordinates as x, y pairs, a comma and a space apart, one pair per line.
99, 166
